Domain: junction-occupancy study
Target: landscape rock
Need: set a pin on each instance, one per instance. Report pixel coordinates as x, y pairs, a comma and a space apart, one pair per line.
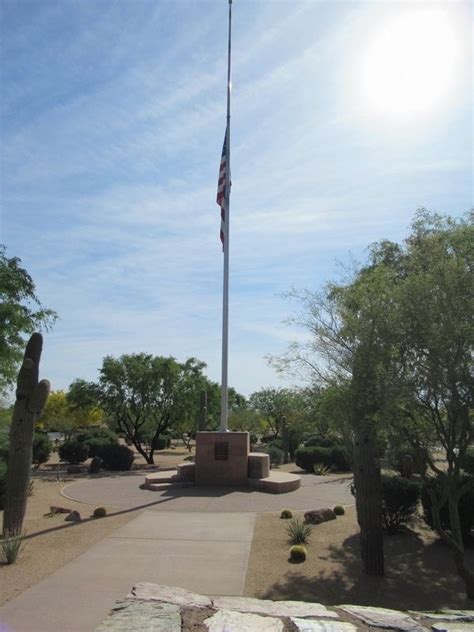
273, 608
384, 618
453, 626
169, 594
447, 615
231, 621
317, 516
74, 516
310, 625
59, 510
128, 615
95, 465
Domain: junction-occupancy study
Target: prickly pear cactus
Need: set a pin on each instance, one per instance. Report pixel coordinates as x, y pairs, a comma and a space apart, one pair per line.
31, 397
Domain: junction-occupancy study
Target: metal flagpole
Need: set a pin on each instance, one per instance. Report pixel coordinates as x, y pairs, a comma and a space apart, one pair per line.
225, 302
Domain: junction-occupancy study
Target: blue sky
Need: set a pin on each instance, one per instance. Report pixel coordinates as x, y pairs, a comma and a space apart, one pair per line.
113, 116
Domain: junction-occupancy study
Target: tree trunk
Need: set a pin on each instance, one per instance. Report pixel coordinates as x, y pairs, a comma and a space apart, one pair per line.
368, 501
31, 398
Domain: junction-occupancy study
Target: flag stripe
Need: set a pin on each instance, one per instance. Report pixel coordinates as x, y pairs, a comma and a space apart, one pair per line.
221, 190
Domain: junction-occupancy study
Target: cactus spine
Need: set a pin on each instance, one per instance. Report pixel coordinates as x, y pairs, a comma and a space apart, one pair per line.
31, 397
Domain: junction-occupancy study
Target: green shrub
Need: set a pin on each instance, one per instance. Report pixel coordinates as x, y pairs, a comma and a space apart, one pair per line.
286, 514
96, 438
468, 461
99, 512
73, 451
297, 553
465, 508
42, 448
277, 443
407, 461
11, 547
339, 510
275, 454
332, 457
317, 441
400, 498
162, 442
116, 457
298, 531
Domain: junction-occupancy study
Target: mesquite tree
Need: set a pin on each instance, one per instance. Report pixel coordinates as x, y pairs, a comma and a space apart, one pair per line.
31, 397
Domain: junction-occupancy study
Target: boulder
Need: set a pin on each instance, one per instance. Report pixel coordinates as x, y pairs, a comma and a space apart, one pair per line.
169, 594
273, 608
95, 465
229, 620
384, 618
142, 615
74, 516
317, 516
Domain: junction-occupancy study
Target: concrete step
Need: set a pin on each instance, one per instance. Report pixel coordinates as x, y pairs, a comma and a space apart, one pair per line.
276, 483
161, 477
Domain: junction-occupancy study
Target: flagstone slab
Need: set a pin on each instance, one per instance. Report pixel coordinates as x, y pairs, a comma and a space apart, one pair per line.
169, 594
310, 625
453, 626
384, 618
447, 615
232, 621
273, 608
147, 616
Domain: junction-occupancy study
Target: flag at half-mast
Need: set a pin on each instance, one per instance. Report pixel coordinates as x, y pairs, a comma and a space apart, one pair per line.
221, 192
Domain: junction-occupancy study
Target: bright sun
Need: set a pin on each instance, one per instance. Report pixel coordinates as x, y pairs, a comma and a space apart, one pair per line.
409, 65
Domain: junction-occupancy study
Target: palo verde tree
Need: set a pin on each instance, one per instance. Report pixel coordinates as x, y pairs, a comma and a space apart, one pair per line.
21, 313
145, 395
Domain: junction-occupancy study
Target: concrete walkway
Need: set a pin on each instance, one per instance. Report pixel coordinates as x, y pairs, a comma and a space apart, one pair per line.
202, 552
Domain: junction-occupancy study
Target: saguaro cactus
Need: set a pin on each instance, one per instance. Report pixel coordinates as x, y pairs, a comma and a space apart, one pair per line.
31, 397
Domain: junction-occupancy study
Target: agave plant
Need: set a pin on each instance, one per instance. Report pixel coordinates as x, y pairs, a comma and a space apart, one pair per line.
298, 531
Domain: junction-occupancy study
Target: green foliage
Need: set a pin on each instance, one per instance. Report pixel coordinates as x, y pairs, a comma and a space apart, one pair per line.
465, 507
11, 547
4, 445
320, 442
298, 531
99, 512
400, 498
275, 454
116, 457
298, 553
42, 448
96, 438
468, 461
339, 510
21, 313
286, 514
321, 470
332, 458
407, 460
73, 451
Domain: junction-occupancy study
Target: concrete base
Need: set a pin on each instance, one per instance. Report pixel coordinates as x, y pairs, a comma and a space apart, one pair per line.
222, 458
276, 483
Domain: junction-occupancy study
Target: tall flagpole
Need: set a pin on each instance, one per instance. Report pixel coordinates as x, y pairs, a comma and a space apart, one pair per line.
225, 301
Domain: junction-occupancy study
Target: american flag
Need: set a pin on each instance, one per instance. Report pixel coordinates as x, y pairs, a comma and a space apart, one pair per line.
221, 192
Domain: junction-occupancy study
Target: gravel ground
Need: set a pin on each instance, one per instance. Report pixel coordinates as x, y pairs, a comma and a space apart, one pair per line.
420, 574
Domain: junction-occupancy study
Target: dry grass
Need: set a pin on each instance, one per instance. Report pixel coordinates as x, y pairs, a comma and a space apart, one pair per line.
419, 571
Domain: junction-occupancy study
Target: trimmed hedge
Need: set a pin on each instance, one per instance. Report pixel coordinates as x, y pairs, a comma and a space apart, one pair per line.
96, 439
320, 442
116, 457
466, 508
334, 458
400, 497
73, 451
42, 448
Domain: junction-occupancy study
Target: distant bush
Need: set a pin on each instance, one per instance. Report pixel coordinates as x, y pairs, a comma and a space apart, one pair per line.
99, 512
275, 454
116, 457
468, 461
400, 498
96, 438
339, 510
407, 460
298, 553
286, 514
298, 531
42, 448
73, 451
320, 442
465, 508
334, 458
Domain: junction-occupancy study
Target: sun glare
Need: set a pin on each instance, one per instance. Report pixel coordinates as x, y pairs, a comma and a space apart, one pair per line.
409, 64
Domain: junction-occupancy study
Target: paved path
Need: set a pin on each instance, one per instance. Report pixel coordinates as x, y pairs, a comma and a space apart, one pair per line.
200, 552
121, 492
